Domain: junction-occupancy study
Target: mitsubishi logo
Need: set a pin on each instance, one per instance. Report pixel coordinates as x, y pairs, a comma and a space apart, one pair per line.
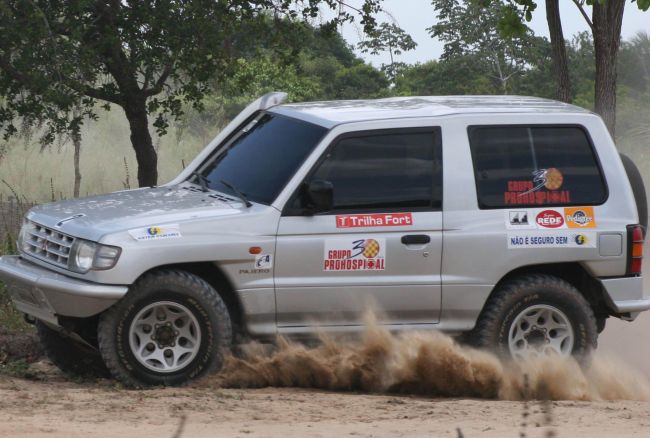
44, 245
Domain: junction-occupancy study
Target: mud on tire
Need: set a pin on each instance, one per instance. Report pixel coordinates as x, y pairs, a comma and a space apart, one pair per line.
492, 330
70, 356
176, 290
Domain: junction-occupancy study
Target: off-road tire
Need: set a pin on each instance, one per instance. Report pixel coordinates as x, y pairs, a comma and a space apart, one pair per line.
638, 189
513, 296
72, 357
183, 288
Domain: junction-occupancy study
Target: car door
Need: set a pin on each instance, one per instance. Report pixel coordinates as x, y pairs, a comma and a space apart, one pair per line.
379, 247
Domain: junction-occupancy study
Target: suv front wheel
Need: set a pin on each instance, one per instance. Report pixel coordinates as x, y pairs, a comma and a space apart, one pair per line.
536, 315
172, 327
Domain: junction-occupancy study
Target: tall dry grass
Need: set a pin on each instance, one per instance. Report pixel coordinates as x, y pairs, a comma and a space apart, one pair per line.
106, 148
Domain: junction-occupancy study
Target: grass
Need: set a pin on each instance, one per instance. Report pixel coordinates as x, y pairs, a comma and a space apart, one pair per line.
11, 320
21, 368
106, 146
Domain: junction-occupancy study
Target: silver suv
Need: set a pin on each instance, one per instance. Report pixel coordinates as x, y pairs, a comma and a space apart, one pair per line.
510, 221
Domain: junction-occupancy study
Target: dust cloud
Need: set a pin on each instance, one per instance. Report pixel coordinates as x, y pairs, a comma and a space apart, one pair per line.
428, 364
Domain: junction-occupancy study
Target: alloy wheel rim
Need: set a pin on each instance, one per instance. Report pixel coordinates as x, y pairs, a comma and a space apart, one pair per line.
540, 330
165, 337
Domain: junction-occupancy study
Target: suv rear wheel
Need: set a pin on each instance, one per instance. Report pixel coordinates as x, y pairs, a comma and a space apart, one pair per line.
536, 315
170, 328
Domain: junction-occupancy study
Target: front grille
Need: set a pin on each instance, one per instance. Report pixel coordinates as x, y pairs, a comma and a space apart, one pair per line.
48, 245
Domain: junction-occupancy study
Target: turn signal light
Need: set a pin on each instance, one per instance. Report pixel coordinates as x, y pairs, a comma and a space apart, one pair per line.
635, 249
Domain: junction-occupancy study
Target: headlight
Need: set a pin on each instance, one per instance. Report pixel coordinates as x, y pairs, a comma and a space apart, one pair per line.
106, 257
87, 255
25, 236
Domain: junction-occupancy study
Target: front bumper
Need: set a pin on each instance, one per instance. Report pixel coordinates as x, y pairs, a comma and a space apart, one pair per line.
625, 296
45, 295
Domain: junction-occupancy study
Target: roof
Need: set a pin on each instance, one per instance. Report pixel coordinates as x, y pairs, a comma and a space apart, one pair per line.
331, 113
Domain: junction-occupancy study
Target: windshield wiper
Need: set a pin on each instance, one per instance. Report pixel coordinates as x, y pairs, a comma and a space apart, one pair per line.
201, 180
239, 194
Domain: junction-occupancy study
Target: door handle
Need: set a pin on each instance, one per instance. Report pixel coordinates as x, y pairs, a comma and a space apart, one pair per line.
415, 239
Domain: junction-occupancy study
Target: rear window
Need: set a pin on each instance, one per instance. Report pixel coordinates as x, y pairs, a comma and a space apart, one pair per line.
528, 166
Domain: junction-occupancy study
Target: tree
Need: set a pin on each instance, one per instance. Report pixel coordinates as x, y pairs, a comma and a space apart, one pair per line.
146, 57
252, 78
458, 75
560, 64
470, 28
634, 62
388, 37
605, 25
318, 65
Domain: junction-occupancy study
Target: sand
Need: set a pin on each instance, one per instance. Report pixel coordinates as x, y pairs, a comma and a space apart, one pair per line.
65, 409
57, 407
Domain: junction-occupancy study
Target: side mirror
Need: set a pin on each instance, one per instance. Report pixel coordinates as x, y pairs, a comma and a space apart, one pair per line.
320, 195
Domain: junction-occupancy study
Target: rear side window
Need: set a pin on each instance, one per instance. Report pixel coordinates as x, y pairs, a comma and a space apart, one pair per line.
528, 166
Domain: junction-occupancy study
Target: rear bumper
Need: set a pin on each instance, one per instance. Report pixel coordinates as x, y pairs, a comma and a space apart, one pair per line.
45, 295
626, 296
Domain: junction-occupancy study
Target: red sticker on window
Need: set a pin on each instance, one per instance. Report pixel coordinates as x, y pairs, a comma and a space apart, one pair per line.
374, 220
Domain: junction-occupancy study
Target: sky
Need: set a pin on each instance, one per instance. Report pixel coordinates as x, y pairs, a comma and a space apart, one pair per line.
414, 16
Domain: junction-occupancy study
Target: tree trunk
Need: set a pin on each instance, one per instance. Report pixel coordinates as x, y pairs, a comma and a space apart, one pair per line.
76, 142
607, 21
136, 113
558, 46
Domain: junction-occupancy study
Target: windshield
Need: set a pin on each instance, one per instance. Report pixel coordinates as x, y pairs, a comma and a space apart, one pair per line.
261, 158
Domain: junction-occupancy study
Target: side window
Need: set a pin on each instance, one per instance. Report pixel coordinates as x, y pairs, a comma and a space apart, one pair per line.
537, 165
387, 171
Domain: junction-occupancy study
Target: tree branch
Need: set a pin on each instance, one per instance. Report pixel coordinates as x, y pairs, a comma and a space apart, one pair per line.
16, 75
147, 75
584, 14
97, 93
28, 82
158, 87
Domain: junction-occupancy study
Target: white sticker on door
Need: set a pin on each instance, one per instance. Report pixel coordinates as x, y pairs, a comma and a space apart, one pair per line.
551, 240
355, 254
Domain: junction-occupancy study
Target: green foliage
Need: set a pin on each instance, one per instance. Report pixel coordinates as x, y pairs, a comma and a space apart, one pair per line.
251, 79
472, 29
55, 56
359, 81
634, 62
580, 53
59, 59
388, 37
511, 24
644, 5
455, 76
321, 67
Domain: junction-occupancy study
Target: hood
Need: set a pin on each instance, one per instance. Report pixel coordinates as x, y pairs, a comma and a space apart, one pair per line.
93, 217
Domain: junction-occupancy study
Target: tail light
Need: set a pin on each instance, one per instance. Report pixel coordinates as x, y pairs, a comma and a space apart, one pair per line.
634, 249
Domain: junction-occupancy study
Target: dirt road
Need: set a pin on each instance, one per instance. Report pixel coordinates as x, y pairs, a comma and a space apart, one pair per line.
56, 407
63, 409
